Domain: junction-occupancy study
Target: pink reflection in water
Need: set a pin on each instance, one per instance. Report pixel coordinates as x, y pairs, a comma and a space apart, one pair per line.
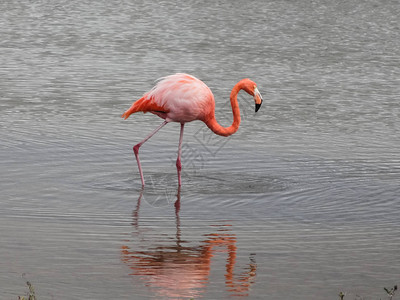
178, 271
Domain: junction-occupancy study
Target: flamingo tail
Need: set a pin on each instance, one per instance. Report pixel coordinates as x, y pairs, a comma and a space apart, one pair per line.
144, 105
129, 111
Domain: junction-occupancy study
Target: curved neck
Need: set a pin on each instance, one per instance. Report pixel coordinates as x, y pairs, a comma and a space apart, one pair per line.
226, 131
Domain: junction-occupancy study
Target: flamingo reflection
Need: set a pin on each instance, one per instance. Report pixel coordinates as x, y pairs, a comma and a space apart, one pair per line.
178, 271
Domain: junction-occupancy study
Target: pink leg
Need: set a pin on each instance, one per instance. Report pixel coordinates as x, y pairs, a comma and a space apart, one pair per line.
136, 149
178, 160
177, 205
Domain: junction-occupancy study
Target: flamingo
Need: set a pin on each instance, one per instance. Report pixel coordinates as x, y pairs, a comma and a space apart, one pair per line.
184, 98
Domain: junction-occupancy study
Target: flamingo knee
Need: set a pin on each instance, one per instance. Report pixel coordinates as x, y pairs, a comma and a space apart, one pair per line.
136, 149
178, 165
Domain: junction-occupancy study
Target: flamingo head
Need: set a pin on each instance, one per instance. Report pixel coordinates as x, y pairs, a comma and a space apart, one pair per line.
251, 88
257, 98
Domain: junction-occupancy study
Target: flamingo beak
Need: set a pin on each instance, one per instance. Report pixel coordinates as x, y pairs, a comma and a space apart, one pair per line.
257, 98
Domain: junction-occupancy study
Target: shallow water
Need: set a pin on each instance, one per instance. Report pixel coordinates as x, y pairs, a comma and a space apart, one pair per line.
301, 203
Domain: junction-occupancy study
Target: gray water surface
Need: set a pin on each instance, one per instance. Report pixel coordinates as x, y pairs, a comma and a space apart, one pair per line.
301, 203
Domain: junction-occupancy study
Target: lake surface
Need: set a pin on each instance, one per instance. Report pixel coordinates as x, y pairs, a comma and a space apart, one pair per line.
301, 203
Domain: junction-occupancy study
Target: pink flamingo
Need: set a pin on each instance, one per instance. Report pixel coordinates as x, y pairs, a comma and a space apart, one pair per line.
183, 98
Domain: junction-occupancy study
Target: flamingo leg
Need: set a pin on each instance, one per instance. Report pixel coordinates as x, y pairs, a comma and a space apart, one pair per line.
137, 146
178, 160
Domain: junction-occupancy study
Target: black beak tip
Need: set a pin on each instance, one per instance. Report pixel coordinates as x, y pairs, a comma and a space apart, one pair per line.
258, 107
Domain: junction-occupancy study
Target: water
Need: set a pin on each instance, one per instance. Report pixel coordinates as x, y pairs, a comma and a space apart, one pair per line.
301, 203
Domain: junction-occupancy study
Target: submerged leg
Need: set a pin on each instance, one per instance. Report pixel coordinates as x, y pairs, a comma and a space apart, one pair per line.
136, 149
178, 160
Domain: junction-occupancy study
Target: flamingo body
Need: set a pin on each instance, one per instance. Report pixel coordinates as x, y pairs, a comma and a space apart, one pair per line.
184, 98
176, 98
